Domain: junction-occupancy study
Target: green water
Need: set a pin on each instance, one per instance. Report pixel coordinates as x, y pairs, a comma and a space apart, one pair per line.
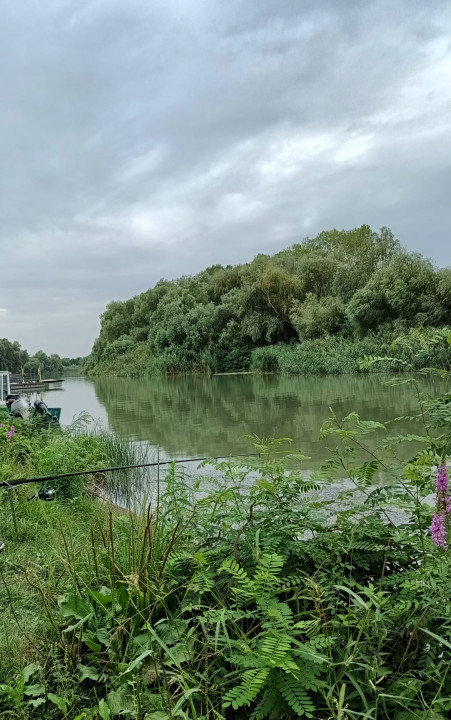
197, 416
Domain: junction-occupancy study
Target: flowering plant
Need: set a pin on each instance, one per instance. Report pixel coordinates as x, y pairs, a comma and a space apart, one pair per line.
443, 508
9, 433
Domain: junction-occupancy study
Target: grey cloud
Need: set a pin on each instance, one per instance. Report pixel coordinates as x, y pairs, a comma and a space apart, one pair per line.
149, 139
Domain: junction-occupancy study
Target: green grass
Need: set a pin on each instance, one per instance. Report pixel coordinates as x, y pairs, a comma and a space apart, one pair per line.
326, 356
48, 530
37, 563
336, 355
242, 595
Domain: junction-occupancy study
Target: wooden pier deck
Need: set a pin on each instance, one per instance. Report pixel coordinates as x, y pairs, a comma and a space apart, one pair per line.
33, 385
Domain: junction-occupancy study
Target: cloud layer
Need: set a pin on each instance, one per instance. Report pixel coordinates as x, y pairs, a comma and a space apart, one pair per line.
152, 138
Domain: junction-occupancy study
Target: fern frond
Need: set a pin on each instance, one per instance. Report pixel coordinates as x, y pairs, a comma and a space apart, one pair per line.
275, 647
271, 705
308, 627
268, 569
231, 566
278, 615
293, 694
252, 684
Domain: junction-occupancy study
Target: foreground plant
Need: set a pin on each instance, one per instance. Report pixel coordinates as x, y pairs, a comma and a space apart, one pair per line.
440, 519
253, 592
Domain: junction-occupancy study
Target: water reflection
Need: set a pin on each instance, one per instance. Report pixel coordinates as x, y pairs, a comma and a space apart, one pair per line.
194, 416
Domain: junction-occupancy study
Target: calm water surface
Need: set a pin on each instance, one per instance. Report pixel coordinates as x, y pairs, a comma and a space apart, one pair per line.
200, 416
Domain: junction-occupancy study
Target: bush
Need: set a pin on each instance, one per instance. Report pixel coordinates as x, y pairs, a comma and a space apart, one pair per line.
250, 599
333, 355
317, 317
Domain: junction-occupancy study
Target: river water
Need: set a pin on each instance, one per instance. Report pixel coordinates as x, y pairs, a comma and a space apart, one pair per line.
211, 416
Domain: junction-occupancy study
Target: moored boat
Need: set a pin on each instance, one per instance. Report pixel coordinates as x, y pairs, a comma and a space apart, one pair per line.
19, 406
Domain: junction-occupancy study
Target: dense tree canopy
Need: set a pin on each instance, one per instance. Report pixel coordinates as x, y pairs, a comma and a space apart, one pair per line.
348, 283
15, 359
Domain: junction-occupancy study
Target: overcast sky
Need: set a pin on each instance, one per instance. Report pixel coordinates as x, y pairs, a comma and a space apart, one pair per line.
150, 139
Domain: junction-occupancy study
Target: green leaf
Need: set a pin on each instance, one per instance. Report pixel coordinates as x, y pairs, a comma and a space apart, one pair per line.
164, 646
35, 690
104, 710
185, 696
180, 653
103, 636
104, 597
28, 671
72, 605
87, 672
172, 631
143, 640
121, 597
133, 665
37, 702
121, 701
75, 626
88, 639
440, 639
356, 597
60, 702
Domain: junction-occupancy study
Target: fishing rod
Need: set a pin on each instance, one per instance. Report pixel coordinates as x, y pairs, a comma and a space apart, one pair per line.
8, 484
49, 494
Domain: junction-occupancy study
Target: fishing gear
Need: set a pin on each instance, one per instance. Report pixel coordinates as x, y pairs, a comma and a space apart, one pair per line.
49, 494
92, 471
46, 494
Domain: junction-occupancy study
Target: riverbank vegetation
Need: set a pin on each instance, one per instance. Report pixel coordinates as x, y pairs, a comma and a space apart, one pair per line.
250, 592
15, 359
314, 307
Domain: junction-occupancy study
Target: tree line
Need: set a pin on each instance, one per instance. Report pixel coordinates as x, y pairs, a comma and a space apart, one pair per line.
351, 284
15, 359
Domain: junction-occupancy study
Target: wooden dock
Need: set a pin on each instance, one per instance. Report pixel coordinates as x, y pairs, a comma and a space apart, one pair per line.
33, 386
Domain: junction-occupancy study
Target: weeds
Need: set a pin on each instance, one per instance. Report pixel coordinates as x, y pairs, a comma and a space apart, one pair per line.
254, 593
337, 355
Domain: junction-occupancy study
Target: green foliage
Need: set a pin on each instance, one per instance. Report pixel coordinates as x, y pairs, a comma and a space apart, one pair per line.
51, 365
14, 359
258, 591
404, 289
317, 317
331, 355
35, 449
23, 691
350, 284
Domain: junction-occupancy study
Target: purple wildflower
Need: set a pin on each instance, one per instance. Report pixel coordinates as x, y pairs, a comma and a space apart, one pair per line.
438, 529
442, 484
10, 433
443, 508
2, 425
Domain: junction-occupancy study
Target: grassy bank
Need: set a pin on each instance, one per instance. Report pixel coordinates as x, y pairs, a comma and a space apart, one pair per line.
135, 361
420, 348
243, 596
325, 356
39, 563
334, 355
